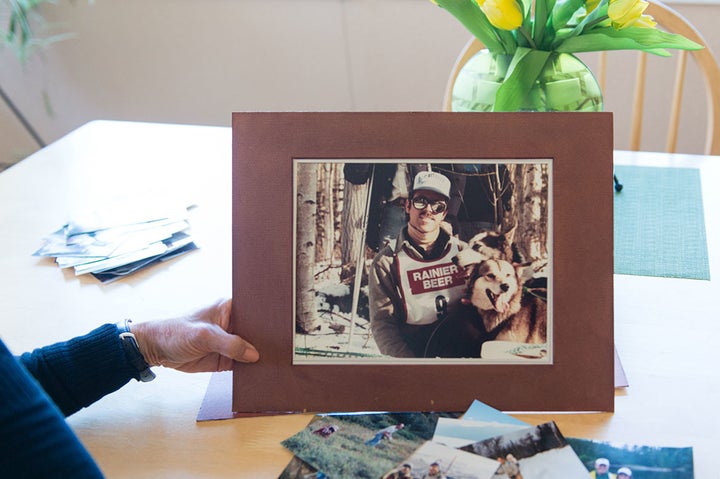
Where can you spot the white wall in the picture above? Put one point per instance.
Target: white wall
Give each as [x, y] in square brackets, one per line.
[192, 61]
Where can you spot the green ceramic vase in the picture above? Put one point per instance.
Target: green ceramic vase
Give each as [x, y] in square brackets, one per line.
[565, 84]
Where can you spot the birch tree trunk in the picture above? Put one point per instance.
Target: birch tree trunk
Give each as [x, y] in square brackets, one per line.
[352, 220]
[529, 210]
[338, 204]
[306, 319]
[325, 214]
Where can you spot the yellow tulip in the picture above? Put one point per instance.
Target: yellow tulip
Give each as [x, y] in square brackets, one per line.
[625, 13]
[645, 21]
[590, 5]
[503, 14]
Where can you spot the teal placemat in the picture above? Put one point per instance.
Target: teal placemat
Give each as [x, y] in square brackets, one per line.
[659, 223]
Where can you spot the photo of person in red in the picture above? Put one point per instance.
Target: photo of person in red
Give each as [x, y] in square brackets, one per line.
[415, 283]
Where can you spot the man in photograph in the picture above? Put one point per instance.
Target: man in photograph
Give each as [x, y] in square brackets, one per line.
[391, 184]
[602, 469]
[403, 472]
[385, 433]
[434, 472]
[510, 467]
[414, 284]
[624, 473]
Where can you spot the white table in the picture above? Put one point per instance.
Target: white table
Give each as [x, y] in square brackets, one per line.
[666, 329]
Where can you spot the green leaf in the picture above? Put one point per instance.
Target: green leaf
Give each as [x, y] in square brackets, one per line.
[632, 38]
[594, 19]
[524, 70]
[563, 11]
[525, 31]
[595, 42]
[542, 10]
[22, 16]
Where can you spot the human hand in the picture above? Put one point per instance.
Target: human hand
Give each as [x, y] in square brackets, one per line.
[197, 342]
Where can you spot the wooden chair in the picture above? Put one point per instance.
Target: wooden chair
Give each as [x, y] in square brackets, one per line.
[670, 20]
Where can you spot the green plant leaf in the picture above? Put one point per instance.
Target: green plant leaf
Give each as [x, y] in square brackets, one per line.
[524, 69]
[563, 11]
[632, 38]
[542, 10]
[22, 17]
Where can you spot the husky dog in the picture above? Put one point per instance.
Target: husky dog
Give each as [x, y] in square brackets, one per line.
[495, 289]
[495, 307]
[487, 245]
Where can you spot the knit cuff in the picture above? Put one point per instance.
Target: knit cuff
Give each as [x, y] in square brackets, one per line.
[78, 372]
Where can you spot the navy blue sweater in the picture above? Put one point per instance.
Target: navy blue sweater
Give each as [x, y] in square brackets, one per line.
[38, 389]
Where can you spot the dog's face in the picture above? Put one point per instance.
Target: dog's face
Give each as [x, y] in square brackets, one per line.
[483, 246]
[493, 285]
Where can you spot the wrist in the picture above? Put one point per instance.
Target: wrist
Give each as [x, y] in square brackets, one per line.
[145, 333]
[133, 351]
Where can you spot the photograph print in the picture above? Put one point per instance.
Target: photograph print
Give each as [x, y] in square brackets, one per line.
[409, 261]
[364, 445]
[433, 460]
[531, 453]
[633, 461]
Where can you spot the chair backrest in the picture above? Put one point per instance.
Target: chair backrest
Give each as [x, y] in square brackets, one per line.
[670, 20]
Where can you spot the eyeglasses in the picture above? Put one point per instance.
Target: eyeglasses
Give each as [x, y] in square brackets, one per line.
[420, 203]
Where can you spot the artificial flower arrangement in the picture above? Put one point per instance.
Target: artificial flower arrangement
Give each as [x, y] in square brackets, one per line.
[531, 30]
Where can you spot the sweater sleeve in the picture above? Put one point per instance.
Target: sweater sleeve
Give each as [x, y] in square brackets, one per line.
[384, 320]
[78, 372]
[36, 441]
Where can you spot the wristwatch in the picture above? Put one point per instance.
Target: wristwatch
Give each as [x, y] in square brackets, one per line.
[132, 351]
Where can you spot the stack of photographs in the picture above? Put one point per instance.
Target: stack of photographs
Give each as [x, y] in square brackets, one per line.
[120, 239]
[482, 444]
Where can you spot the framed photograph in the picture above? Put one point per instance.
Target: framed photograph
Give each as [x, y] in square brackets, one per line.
[447, 257]
[482, 298]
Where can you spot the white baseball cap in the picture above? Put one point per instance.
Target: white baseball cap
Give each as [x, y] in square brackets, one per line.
[602, 462]
[432, 181]
[625, 470]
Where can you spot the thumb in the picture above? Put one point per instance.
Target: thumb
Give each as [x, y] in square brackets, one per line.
[234, 347]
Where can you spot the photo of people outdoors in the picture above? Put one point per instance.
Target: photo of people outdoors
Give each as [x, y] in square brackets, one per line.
[412, 261]
[605, 460]
[365, 445]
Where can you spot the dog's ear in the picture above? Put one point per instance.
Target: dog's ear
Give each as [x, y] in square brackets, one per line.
[483, 267]
[476, 270]
[524, 272]
[468, 269]
[510, 235]
[504, 244]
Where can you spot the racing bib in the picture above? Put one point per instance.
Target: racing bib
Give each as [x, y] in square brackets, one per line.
[429, 289]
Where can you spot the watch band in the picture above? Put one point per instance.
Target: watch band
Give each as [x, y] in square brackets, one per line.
[132, 351]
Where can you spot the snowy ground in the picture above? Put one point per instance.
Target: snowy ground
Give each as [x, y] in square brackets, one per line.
[339, 344]
[336, 337]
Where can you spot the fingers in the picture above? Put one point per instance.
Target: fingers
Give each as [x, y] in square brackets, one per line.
[224, 309]
[196, 342]
[234, 347]
[230, 345]
[216, 313]
[243, 351]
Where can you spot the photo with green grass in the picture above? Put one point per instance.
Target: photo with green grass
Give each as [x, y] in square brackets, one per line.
[361, 445]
